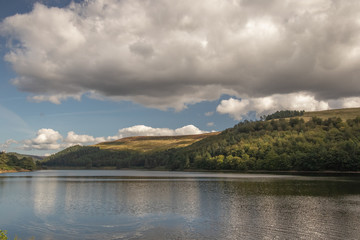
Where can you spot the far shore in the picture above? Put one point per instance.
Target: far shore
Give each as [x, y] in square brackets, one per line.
[289, 172]
[13, 171]
[7, 171]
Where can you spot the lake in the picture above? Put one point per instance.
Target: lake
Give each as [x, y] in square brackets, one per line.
[107, 204]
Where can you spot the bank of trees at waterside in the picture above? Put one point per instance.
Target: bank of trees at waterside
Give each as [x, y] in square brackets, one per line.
[281, 144]
[11, 162]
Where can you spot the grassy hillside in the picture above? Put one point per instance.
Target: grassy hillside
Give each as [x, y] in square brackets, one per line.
[153, 143]
[344, 114]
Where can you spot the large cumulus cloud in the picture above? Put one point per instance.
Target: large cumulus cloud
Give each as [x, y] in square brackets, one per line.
[165, 54]
[46, 139]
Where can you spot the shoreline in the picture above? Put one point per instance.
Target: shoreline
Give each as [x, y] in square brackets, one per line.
[13, 171]
[290, 172]
[7, 171]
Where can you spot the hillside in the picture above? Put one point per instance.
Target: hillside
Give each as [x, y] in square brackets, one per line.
[287, 143]
[9, 162]
[153, 143]
[344, 114]
[18, 155]
[125, 152]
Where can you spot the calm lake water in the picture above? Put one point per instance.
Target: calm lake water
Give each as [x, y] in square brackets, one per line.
[176, 205]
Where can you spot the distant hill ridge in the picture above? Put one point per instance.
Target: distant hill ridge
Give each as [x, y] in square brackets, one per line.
[344, 113]
[145, 138]
[153, 143]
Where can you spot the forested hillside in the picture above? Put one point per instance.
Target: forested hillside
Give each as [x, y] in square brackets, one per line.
[280, 145]
[9, 162]
[277, 144]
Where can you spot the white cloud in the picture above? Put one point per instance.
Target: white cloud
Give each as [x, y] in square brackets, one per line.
[7, 144]
[353, 102]
[188, 130]
[56, 99]
[208, 114]
[74, 138]
[239, 109]
[46, 139]
[142, 130]
[162, 54]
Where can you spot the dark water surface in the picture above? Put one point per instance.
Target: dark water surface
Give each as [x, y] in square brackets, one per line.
[175, 205]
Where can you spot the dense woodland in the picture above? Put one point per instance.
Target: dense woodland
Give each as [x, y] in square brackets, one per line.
[12, 162]
[277, 144]
[283, 114]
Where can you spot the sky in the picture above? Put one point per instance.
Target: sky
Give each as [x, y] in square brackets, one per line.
[86, 71]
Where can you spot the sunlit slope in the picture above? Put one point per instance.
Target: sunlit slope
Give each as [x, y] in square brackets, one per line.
[153, 143]
[344, 114]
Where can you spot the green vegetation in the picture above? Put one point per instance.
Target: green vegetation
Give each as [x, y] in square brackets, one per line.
[3, 236]
[283, 114]
[124, 153]
[89, 157]
[20, 156]
[9, 162]
[282, 144]
[153, 143]
[344, 114]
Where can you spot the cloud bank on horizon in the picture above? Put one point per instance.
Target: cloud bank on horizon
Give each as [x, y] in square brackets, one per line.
[50, 139]
[165, 54]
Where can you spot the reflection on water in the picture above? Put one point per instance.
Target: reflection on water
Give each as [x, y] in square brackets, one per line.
[168, 205]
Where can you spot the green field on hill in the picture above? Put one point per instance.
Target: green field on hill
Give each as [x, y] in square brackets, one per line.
[153, 143]
[344, 114]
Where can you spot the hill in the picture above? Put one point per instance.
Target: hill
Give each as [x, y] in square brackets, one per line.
[18, 155]
[125, 152]
[344, 114]
[9, 162]
[153, 143]
[288, 143]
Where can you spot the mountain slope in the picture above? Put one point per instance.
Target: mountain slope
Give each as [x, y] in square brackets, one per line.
[344, 114]
[9, 162]
[126, 152]
[153, 143]
[18, 155]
